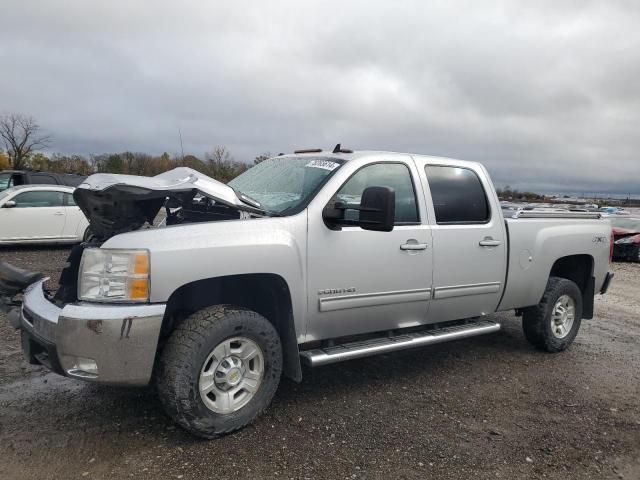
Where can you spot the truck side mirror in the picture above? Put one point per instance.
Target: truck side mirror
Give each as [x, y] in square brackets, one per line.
[9, 204]
[377, 209]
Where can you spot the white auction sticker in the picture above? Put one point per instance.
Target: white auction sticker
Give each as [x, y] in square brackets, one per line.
[324, 164]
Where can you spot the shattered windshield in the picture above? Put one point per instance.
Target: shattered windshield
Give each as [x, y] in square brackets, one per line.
[282, 184]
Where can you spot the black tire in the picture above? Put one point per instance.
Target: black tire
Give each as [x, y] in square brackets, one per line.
[536, 321]
[183, 357]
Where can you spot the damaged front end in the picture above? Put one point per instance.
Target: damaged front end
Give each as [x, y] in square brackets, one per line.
[97, 341]
[116, 204]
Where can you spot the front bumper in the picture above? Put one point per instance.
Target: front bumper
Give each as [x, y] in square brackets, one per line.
[113, 344]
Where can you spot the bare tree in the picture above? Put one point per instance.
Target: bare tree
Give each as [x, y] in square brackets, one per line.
[261, 158]
[21, 137]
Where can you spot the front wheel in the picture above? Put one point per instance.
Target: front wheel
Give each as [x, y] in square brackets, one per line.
[553, 324]
[219, 370]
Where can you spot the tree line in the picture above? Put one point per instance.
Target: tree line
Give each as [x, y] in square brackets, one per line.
[508, 193]
[23, 140]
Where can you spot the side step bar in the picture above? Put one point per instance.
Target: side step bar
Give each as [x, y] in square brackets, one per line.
[374, 346]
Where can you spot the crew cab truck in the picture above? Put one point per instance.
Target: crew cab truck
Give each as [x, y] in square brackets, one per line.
[310, 258]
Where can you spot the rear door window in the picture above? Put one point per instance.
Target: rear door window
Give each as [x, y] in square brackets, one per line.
[40, 198]
[458, 195]
[42, 179]
[68, 200]
[5, 179]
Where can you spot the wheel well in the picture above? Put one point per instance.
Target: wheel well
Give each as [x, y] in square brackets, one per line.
[578, 269]
[265, 293]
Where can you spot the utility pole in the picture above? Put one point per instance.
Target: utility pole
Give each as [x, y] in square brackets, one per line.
[181, 147]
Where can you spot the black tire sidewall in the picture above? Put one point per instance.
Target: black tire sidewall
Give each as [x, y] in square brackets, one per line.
[566, 287]
[537, 320]
[192, 413]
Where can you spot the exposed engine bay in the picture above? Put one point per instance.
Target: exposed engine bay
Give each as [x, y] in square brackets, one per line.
[116, 204]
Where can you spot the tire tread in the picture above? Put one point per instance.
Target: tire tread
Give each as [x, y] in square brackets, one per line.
[175, 364]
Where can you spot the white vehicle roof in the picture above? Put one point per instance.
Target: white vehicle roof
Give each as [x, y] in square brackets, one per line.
[58, 188]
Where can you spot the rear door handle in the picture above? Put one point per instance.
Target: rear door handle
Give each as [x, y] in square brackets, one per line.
[59, 213]
[489, 242]
[413, 246]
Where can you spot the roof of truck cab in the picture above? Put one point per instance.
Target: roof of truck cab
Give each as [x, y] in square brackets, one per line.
[365, 153]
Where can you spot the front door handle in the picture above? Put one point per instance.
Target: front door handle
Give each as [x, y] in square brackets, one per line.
[413, 246]
[489, 242]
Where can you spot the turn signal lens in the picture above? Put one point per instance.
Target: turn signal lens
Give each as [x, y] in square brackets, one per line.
[141, 264]
[139, 289]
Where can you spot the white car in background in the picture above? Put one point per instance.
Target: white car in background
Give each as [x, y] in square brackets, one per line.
[40, 214]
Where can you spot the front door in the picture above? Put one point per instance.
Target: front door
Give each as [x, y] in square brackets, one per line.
[363, 281]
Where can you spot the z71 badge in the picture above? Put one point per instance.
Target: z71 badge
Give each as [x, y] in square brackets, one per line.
[330, 291]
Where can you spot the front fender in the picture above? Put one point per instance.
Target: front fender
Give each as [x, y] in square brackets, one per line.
[183, 254]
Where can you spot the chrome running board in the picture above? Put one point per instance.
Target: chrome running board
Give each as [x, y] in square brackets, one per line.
[374, 346]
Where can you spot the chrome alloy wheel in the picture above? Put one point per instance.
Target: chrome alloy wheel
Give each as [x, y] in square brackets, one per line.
[231, 375]
[562, 316]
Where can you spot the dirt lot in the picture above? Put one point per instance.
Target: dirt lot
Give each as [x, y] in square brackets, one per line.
[490, 407]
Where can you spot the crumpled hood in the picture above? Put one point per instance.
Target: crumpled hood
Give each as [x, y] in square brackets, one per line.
[115, 203]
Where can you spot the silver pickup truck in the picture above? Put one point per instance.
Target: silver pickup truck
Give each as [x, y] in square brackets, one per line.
[310, 258]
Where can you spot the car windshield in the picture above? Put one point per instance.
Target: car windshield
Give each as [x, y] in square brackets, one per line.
[5, 178]
[282, 184]
[626, 223]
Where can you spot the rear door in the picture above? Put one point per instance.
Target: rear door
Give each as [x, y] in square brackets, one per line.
[469, 241]
[37, 215]
[76, 222]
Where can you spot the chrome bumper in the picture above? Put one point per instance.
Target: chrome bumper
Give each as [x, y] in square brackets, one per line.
[114, 344]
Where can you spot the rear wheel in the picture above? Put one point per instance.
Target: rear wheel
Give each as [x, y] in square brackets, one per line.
[553, 324]
[219, 370]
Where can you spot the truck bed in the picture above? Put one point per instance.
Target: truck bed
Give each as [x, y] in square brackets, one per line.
[537, 239]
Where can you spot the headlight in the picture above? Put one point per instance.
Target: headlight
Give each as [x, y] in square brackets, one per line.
[114, 275]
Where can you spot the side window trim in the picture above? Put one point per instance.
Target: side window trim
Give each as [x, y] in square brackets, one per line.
[484, 191]
[413, 185]
[68, 200]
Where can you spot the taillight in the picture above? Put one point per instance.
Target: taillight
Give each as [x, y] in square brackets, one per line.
[611, 240]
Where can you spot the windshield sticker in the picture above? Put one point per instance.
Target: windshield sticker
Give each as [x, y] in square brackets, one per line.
[324, 164]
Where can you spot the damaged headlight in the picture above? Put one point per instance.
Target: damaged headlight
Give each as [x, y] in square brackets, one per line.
[114, 275]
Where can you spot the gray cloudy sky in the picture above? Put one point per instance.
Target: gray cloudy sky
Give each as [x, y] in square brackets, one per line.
[545, 93]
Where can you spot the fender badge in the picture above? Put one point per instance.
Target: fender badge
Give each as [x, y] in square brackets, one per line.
[331, 291]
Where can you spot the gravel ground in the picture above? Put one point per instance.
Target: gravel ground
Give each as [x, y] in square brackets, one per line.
[489, 407]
